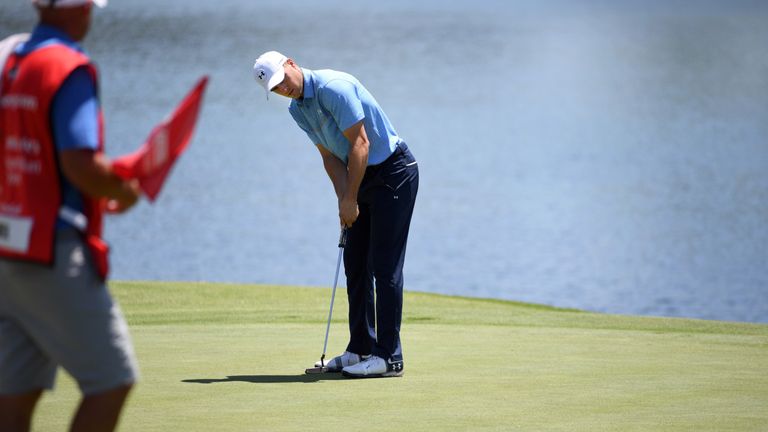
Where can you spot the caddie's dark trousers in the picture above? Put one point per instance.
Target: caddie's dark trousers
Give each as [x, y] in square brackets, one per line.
[375, 251]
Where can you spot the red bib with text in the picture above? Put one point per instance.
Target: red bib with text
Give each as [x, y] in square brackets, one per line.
[30, 190]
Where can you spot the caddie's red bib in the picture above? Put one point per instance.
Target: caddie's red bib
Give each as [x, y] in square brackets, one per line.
[30, 193]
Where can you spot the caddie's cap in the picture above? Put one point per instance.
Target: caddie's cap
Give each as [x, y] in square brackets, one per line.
[68, 3]
[268, 70]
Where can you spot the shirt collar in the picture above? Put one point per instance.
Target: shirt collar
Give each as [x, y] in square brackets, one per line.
[309, 84]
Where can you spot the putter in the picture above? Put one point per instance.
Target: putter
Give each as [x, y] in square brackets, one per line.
[323, 368]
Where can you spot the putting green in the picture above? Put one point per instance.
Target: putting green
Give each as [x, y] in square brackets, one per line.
[217, 357]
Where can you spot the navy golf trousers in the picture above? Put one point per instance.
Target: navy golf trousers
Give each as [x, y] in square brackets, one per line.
[375, 251]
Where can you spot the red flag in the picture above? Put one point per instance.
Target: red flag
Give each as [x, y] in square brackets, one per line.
[152, 162]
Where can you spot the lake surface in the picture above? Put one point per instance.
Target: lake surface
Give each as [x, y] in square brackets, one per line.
[601, 155]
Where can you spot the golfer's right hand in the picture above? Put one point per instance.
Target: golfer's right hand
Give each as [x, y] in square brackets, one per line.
[348, 212]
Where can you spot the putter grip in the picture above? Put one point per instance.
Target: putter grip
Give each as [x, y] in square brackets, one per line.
[343, 237]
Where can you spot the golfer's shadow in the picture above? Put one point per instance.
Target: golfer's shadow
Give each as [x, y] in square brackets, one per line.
[269, 379]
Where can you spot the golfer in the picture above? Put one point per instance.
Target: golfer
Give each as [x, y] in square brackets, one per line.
[375, 178]
[55, 182]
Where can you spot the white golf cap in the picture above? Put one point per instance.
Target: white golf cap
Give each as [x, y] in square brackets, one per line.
[268, 70]
[68, 3]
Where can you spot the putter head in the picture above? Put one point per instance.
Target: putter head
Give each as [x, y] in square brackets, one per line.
[316, 370]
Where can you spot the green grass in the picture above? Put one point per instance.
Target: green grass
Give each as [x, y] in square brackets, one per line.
[217, 357]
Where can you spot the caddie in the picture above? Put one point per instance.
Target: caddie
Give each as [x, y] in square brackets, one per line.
[55, 185]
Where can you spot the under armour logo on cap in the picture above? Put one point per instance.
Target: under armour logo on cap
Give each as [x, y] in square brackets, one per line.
[261, 74]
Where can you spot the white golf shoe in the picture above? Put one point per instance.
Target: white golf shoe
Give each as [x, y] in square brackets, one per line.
[338, 363]
[374, 367]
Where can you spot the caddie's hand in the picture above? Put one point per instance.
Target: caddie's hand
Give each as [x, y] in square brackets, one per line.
[348, 211]
[129, 196]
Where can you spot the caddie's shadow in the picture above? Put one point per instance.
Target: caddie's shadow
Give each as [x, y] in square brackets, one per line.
[269, 379]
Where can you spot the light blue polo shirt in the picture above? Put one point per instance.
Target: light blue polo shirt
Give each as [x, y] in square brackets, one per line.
[334, 101]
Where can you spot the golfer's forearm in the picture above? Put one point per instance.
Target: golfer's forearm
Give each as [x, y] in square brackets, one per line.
[337, 172]
[335, 169]
[357, 160]
[356, 164]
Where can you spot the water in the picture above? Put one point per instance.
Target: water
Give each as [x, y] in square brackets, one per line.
[608, 156]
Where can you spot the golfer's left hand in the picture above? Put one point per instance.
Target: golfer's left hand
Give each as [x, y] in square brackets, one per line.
[348, 211]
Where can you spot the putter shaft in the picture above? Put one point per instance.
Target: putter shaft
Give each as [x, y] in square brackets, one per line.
[342, 243]
[323, 368]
